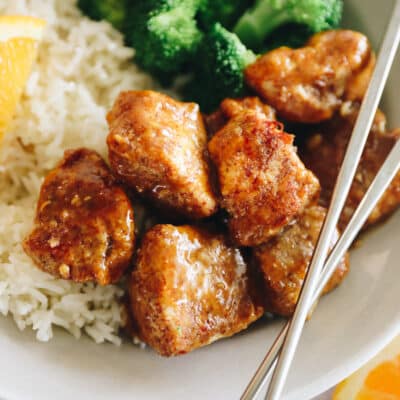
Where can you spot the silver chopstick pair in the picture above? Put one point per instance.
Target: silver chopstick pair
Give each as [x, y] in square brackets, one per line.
[281, 353]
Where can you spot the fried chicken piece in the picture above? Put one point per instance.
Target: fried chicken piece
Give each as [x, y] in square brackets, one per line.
[284, 261]
[309, 84]
[263, 183]
[189, 289]
[84, 227]
[324, 151]
[230, 108]
[157, 145]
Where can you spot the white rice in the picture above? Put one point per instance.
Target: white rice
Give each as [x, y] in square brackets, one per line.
[82, 66]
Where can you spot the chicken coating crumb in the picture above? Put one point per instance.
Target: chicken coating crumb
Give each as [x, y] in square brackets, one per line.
[157, 145]
[229, 108]
[284, 262]
[189, 289]
[263, 183]
[84, 226]
[324, 151]
[309, 84]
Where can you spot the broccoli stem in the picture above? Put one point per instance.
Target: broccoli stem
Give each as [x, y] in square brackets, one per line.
[258, 22]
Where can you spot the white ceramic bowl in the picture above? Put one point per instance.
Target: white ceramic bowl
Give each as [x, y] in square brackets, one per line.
[349, 326]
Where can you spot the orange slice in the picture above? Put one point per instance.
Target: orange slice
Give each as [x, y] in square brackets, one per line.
[379, 379]
[19, 38]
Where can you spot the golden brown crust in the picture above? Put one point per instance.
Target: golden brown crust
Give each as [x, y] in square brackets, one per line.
[230, 108]
[84, 227]
[189, 289]
[324, 151]
[309, 84]
[263, 183]
[284, 261]
[157, 146]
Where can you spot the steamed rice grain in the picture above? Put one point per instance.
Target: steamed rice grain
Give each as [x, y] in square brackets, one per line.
[82, 66]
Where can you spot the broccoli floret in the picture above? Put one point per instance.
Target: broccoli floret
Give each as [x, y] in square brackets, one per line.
[226, 12]
[221, 59]
[290, 35]
[267, 15]
[164, 34]
[113, 11]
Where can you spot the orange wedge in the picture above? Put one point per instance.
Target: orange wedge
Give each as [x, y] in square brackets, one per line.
[19, 39]
[379, 379]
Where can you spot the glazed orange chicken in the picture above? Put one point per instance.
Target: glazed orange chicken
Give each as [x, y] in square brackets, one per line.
[309, 84]
[157, 146]
[190, 285]
[230, 108]
[263, 183]
[324, 151]
[84, 227]
[284, 261]
[189, 288]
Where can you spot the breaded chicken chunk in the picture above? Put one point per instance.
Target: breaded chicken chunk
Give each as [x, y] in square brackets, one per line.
[189, 288]
[309, 84]
[230, 108]
[324, 151]
[263, 183]
[157, 146]
[84, 227]
[284, 261]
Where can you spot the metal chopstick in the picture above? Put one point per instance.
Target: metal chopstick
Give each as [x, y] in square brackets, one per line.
[345, 178]
[381, 182]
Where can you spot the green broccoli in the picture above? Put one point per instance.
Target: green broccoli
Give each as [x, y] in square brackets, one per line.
[171, 37]
[290, 35]
[258, 22]
[226, 12]
[112, 11]
[164, 34]
[221, 59]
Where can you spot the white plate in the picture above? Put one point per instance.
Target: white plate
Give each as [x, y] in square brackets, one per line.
[350, 325]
